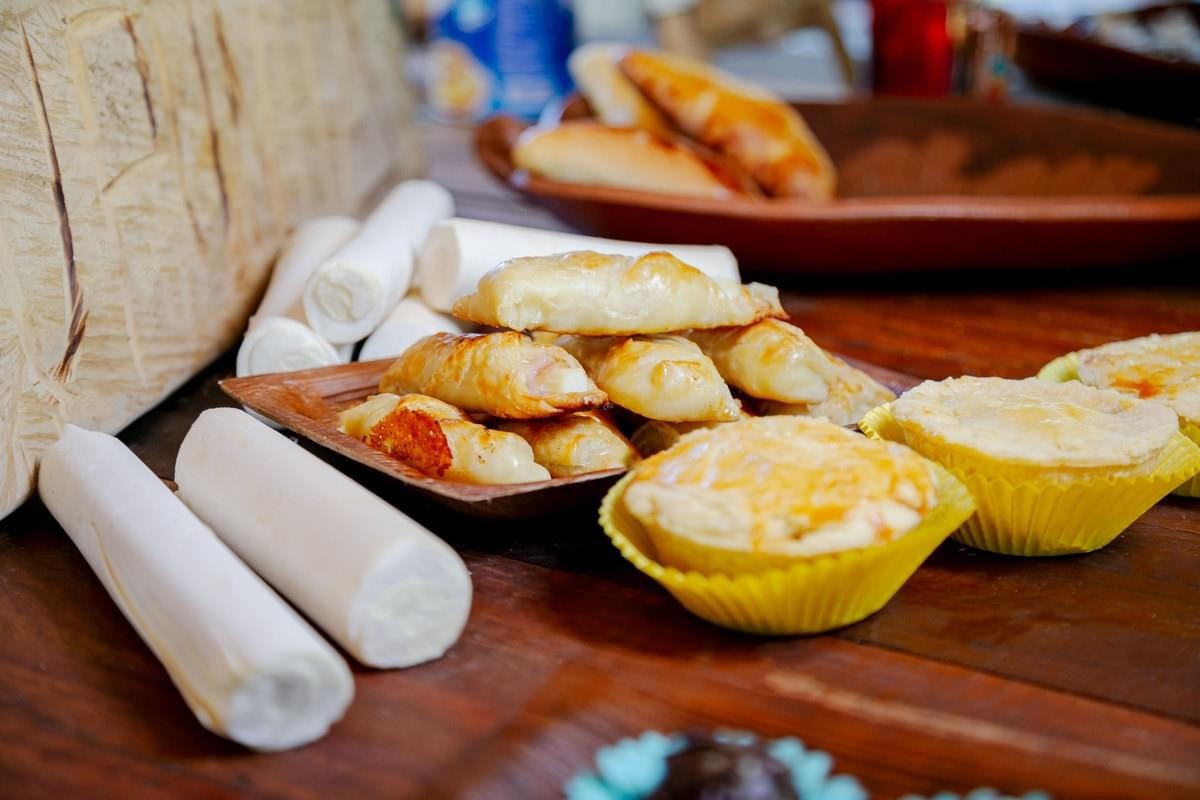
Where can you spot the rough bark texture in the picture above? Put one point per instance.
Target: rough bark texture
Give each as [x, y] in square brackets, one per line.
[153, 154]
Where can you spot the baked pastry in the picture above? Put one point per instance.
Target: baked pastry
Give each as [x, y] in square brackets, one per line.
[574, 444]
[658, 377]
[654, 436]
[772, 360]
[599, 294]
[753, 127]
[851, 394]
[503, 374]
[438, 439]
[1162, 368]
[1065, 429]
[612, 98]
[593, 154]
[760, 493]
[1054, 467]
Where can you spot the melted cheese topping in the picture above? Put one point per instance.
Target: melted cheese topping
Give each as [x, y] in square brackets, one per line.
[1164, 368]
[600, 294]
[1037, 423]
[785, 485]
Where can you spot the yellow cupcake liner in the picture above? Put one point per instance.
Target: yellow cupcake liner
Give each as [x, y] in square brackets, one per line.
[810, 595]
[1066, 368]
[1032, 516]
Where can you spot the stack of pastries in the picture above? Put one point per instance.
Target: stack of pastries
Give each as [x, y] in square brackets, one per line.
[670, 124]
[586, 348]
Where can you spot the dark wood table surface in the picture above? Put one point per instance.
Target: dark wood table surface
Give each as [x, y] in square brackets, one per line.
[1077, 675]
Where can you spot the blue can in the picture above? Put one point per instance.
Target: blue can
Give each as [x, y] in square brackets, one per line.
[489, 56]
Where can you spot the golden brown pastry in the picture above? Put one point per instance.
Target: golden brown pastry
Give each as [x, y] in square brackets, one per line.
[1163, 368]
[1002, 426]
[574, 444]
[852, 393]
[766, 490]
[600, 294]
[438, 439]
[659, 377]
[593, 154]
[753, 127]
[503, 374]
[613, 99]
[772, 360]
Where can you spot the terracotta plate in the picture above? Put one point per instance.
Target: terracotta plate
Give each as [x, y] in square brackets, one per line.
[308, 403]
[925, 186]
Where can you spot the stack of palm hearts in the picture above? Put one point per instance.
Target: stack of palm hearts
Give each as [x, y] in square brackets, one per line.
[595, 361]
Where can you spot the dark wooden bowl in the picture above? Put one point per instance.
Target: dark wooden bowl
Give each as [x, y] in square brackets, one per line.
[307, 402]
[926, 186]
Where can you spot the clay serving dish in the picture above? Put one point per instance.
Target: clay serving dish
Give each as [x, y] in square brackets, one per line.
[925, 186]
[308, 402]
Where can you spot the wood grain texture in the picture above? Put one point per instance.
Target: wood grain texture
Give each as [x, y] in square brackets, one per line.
[153, 154]
[1075, 675]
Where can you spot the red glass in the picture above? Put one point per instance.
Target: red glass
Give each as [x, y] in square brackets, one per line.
[913, 54]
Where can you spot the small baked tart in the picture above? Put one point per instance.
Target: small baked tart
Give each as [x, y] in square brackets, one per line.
[1162, 368]
[1054, 468]
[782, 524]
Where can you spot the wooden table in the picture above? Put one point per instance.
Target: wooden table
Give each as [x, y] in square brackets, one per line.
[1077, 675]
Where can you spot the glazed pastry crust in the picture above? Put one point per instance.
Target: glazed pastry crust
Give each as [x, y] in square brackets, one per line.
[574, 444]
[757, 130]
[613, 99]
[850, 395]
[438, 439]
[1035, 423]
[659, 377]
[592, 154]
[503, 374]
[771, 360]
[598, 294]
[782, 485]
[1163, 368]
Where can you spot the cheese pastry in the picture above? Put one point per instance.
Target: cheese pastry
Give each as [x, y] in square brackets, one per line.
[772, 360]
[769, 490]
[599, 294]
[503, 374]
[574, 444]
[658, 377]
[438, 439]
[613, 99]
[1163, 368]
[757, 130]
[1063, 428]
[654, 436]
[851, 394]
[592, 154]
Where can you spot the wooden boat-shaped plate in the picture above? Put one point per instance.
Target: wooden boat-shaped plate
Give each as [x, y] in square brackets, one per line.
[308, 402]
[925, 186]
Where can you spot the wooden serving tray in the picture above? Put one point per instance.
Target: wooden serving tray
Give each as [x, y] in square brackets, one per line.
[925, 186]
[308, 402]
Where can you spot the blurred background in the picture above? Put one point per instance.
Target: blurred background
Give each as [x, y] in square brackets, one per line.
[477, 57]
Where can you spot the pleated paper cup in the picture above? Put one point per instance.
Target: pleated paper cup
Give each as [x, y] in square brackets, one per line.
[809, 595]
[1023, 511]
[1066, 368]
